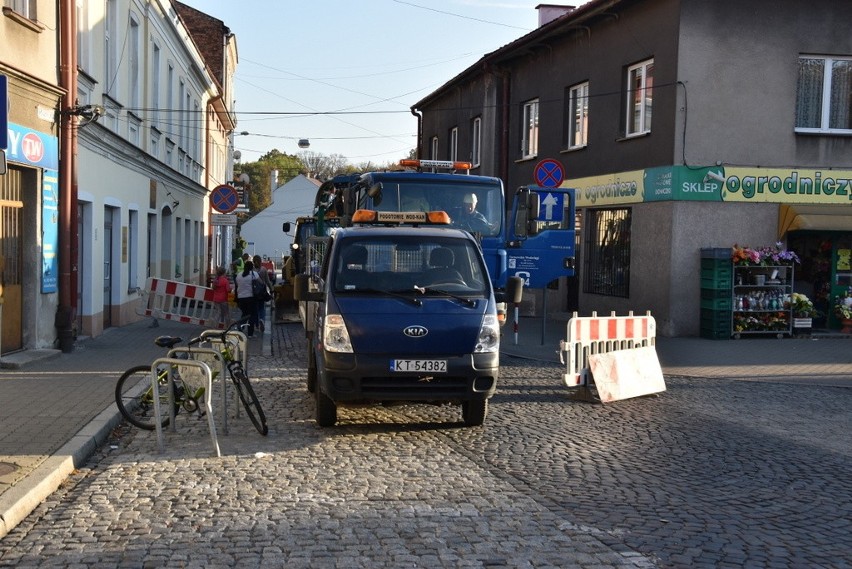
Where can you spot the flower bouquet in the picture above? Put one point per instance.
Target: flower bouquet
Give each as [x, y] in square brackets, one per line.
[802, 306]
[763, 256]
[843, 305]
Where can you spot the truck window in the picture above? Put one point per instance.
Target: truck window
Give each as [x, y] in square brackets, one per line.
[402, 263]
[443, 195]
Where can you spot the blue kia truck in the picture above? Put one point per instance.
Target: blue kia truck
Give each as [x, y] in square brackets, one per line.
[404, 311]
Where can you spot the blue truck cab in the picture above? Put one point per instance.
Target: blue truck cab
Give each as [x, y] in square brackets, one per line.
[404, 312]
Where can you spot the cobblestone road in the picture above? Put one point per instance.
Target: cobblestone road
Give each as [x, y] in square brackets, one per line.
[712, 473]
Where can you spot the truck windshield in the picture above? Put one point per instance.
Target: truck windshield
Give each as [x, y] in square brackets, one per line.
[410, 263]
[477, 208]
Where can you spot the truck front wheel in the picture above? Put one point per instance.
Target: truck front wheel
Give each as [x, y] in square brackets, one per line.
[474, 412]
[326, 412]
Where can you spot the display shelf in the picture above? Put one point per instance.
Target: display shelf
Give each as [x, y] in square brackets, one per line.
[760, 300]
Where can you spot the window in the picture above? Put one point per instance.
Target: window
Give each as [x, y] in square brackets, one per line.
[824, 95]
[608, 252]
[529, 130]
[577, 116]
[476, 142]
[111, 43]
[155, 85]
[26, 8]
[434, 155]
[84, 58]
[170, 99]
[454, 144]
[133, 66]
[640, 95]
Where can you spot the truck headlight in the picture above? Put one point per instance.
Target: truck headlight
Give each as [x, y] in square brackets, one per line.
[489, 335]
[335, 337]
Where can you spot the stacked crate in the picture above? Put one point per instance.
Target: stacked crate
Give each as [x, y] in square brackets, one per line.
[716, 293]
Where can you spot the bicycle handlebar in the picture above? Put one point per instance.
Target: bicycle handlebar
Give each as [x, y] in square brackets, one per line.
[220, 335]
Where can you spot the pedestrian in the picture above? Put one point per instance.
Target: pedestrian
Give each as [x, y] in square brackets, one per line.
[264, 277]
[221, 288]
[245, 296]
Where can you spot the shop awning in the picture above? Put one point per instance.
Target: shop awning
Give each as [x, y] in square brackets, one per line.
[814, 218]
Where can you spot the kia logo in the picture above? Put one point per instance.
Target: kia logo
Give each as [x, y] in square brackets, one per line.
[415, 331]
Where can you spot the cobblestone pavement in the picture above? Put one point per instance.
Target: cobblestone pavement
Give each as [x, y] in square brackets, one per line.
[711, 473]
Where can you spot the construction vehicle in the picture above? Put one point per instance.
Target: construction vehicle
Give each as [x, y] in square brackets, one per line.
[403, 312]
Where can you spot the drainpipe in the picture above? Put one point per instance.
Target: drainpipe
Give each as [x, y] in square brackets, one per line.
[419, 130]
[66, 311]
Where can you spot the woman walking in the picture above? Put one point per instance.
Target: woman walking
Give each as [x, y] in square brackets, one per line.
[245, 296]
[263, 273]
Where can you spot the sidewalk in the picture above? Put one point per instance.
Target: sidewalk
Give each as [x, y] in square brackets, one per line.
[57, 408]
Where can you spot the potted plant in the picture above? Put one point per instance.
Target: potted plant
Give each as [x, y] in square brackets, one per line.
[803, 313]
[843, 310]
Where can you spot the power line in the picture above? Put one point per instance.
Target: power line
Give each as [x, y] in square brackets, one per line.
[460, 16]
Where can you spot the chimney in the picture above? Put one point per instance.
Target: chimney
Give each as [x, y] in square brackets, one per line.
[273, 185]
[549, 12]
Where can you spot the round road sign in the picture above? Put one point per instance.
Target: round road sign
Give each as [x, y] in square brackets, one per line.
[224, 198]
[549, 173]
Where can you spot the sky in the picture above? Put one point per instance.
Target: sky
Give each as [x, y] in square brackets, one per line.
[344, 73]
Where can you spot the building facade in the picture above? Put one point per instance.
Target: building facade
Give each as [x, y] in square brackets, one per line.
[28, 205]
[683, 125]
[134, 118]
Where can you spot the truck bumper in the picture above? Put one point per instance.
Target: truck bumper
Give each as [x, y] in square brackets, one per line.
[351, 378]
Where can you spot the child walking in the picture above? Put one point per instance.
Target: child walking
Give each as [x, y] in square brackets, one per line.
[221, 288]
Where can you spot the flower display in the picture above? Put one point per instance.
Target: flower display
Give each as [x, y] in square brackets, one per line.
[843, 305]
[762, 256]
[802, 306]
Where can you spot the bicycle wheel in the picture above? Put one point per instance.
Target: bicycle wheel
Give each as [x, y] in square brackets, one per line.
[248, 397]
[138, 406]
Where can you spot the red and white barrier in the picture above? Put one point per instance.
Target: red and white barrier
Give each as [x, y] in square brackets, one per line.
[173, 300]
[589, 336]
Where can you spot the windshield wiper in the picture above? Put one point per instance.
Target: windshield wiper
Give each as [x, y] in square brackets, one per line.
[395, 294]
[464, 299]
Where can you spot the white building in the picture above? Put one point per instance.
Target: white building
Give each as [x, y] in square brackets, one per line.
[146, 166]
[264, 233]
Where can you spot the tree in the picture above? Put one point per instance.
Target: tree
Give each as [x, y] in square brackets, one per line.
[259, 191]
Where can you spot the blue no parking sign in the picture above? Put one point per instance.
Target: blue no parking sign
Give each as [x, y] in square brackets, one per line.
[224, 198]
[549, 173]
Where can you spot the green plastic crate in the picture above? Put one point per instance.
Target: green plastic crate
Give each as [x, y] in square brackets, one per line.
[723, 302]
[711, 334]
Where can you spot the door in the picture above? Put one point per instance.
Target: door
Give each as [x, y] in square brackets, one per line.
[11, 259]
[107, 314]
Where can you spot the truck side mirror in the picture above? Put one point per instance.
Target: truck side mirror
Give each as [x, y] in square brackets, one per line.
[286, 227]
[514, 290]
[533, 205]
[528, 204]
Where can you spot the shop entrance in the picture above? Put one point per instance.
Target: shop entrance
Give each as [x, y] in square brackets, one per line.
[825, 272]
[11, 256]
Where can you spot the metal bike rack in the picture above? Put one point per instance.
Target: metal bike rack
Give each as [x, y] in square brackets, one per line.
[240, 343]
[173, 364]
[239, 346]
[209, 356]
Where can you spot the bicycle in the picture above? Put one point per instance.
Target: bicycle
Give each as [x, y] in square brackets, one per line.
[138, 406]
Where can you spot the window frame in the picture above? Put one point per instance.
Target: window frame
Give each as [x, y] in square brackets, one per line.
[574, 94]
[26, 8]
[530, 120]
[639, 124]
[826, 95]
[453, 149]
[476, 142]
